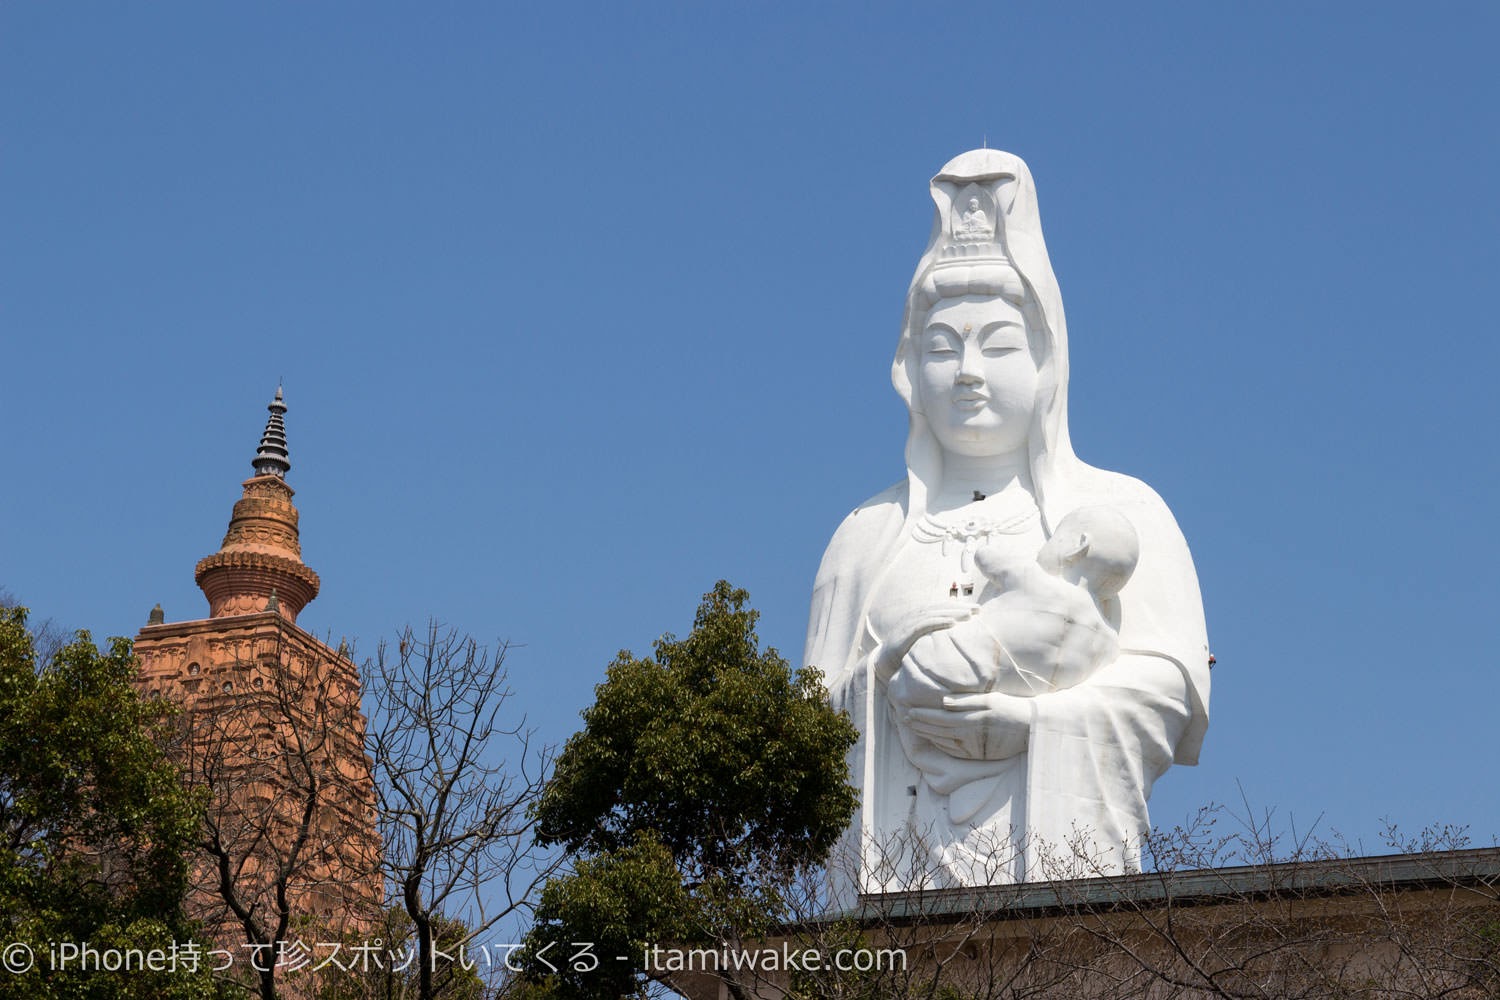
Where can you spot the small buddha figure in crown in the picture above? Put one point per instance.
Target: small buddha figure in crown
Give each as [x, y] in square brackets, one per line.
[974, 224]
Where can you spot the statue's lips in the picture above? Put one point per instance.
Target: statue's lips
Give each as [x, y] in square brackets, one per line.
[970, 401]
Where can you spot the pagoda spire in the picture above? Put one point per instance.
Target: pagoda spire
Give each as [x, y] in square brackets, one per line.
[259, 565]
[271, 457]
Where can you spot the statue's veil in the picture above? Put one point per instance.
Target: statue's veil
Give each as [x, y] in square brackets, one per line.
[987, 239]
[981, 252]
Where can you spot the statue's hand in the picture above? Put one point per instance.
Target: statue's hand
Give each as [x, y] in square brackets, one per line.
[911, 627]
[991, 726]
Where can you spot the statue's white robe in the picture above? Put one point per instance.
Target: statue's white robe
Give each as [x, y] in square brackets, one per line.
[1079, 796]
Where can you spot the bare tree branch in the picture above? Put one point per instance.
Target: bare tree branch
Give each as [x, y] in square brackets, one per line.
[455, 780]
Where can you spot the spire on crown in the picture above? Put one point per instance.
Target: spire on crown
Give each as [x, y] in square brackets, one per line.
[259, 566]
[271, 458]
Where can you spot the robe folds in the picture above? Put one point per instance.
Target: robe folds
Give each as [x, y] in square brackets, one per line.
[1076, 799]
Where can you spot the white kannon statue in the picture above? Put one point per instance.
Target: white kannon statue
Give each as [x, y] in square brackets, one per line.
[1018, 636]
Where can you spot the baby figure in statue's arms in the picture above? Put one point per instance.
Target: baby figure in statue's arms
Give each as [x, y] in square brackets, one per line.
[1040, 626]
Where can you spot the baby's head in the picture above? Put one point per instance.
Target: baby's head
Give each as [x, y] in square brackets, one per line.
[1097, 546]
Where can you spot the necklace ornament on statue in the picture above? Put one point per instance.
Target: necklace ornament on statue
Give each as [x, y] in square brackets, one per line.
[970, 533]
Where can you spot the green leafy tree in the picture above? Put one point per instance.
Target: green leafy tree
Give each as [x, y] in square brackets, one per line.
[620, 903]
[706, 779]
[95, 825]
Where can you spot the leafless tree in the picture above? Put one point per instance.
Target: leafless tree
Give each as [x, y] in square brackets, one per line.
[1250, 912]
[47, 638]
[456, 772]
[1235, 914]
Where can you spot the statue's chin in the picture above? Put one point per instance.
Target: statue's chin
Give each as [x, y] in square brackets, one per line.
[997, 443]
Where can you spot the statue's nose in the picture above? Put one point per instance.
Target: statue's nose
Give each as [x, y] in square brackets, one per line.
[969, 370]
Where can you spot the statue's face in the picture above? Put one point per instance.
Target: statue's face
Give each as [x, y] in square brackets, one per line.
[977, 383]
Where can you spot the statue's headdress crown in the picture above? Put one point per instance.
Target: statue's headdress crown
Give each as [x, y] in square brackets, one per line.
[973, 193]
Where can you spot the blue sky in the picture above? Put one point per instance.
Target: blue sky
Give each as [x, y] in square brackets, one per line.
[581, 308]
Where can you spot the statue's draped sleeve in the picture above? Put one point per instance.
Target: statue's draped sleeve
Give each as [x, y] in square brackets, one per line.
[1096, 749]
[1161, 608]
[836, 626]
[836, 634]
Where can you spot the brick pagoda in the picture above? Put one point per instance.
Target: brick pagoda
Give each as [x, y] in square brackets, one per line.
[271, 727]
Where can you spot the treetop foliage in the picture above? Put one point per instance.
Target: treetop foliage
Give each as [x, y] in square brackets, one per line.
[95, 825]
[706, 779]
[727, 757]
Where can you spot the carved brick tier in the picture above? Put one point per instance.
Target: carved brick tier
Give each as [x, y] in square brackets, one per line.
[258, 687]
[263, 524]
[261, 554]
[239, 583]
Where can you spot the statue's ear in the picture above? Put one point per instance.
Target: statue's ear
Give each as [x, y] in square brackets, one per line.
[901, 378]
[1078, 550]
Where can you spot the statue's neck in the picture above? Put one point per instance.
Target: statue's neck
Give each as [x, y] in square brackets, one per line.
[964, 476]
